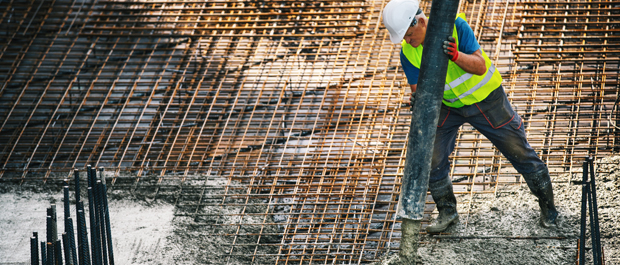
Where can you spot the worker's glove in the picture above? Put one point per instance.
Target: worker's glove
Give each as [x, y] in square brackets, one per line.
[411, 101]
[450, 48]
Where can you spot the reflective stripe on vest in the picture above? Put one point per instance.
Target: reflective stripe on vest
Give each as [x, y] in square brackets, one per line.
[461, 80]
[461, 88]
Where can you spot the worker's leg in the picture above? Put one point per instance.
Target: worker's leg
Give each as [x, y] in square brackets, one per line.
[440, 183]
[504, 128]
[445, 138]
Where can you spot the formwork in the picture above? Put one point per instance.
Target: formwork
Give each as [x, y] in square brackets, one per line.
[296, 108]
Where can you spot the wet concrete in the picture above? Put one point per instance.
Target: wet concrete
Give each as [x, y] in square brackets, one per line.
[149, 229]
[140, 229]
[409, 241]
[501, 228]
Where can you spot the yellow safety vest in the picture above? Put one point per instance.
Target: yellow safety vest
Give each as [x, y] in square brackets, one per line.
[462, 88]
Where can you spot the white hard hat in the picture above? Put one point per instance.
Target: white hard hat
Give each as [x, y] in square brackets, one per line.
[397, 17]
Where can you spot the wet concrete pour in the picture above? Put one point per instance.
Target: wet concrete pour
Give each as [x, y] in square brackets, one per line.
[149, 230]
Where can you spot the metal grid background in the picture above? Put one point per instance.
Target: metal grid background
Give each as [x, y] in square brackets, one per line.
[296, 110]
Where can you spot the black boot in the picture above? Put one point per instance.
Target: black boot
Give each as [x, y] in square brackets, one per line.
[446, 205]
[540, 185]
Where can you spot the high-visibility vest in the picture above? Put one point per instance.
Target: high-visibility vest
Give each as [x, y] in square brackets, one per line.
[462, 88]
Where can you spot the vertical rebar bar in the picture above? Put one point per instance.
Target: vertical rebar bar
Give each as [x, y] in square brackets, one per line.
[43, 253]
[77, 245]
[584, 198]
[57, 253]
[83, 248]
[69, 244]
[94, 229]
[65, 190]
[34, 249]
[98, 215]
[596, 242]
[89, 177]
[50, 232]
[592, 228]
[71, 235]
[54, 223]
[66, 246]
[100, 222]
[107, 224]
[48, 225]
[101, 176]
[76, 176]
[50, 253]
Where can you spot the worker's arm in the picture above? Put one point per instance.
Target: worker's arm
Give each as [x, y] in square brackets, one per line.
[471, 63]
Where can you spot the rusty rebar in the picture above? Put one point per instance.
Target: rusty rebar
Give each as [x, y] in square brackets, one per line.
[295, 106]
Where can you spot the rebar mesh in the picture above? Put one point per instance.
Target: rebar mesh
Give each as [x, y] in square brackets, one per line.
[282, 124]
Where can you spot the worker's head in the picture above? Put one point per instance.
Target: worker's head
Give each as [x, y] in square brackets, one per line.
[405, 20]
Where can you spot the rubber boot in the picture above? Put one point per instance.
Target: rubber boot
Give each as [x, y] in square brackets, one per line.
[443, 195]
[540, 185]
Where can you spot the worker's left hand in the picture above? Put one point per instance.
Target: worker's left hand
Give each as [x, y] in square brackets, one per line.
[450, 48]
[411, 101]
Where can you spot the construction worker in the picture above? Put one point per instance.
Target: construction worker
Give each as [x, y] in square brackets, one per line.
[473, 93]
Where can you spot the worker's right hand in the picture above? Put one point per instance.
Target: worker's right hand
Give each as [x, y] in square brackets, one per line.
[411, 101]
[450, 48]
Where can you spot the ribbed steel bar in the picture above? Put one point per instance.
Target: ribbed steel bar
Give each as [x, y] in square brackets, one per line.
[58, 255]
[595, 231]
[43, 253]
[83, 248]
[95, 250]
[34, 249]
[66, 249]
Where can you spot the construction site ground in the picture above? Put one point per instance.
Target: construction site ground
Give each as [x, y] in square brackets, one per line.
[500, 228]
[503, 228]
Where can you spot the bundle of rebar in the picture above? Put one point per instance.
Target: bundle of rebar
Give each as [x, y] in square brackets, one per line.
[589, 205]
[101, 251]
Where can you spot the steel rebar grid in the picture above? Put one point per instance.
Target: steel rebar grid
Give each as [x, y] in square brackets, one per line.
[297, 106]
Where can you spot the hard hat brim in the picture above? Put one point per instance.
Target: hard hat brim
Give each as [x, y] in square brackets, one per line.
[397, 38]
